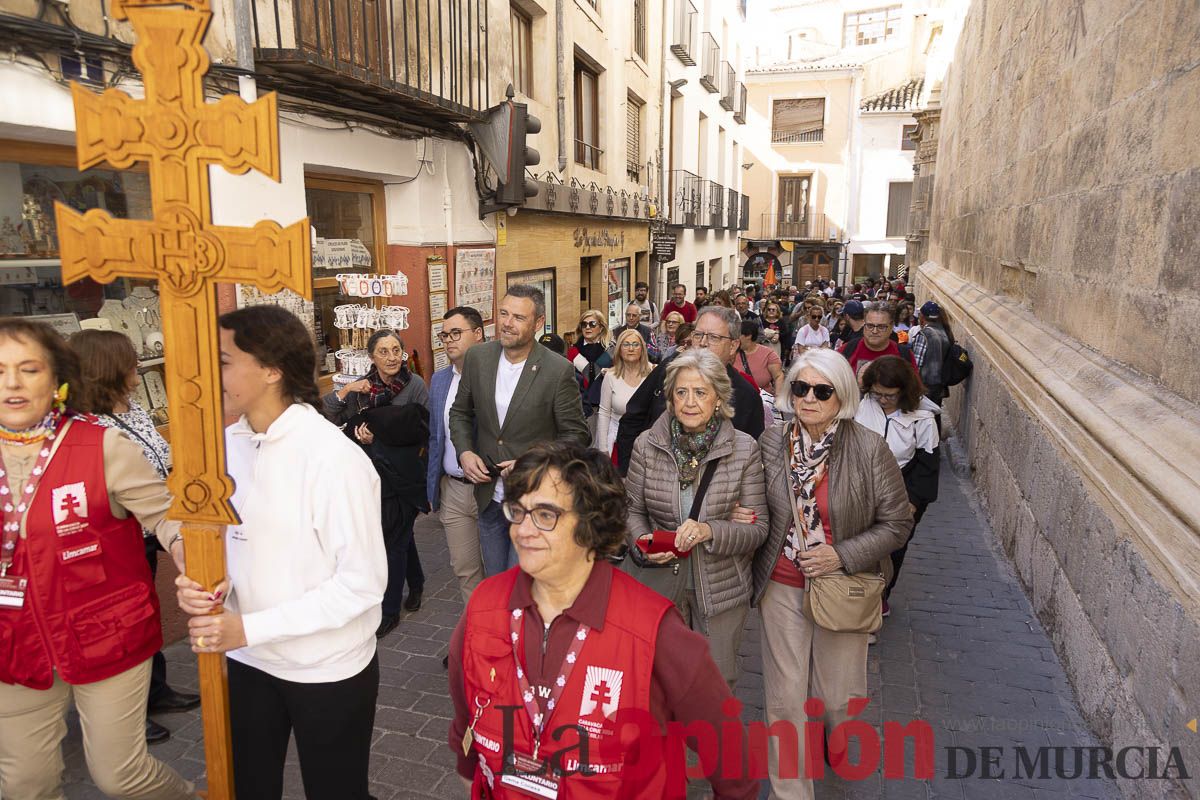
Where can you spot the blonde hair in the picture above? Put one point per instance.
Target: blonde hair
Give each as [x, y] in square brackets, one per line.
[591, 312]
[618, 367]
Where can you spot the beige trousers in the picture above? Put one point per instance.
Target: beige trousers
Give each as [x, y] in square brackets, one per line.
[112, 714]
[459, 515]
[724, 633]
[801, 660]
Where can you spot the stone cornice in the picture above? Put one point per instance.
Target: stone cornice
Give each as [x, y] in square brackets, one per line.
[1135, 443]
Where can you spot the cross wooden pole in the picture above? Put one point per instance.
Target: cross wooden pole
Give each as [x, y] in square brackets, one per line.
[179, 135]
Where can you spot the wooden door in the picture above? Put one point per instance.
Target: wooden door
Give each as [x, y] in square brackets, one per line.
[793, 207]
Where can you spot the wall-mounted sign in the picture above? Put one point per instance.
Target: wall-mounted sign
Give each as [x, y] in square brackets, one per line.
[664, 246]
[602, 238]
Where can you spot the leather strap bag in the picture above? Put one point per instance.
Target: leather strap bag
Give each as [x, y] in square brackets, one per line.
[670, 579]
[842, 602]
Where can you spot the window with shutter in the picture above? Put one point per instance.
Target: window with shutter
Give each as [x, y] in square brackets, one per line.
[899, 201]
[633, 139]
[798, 120]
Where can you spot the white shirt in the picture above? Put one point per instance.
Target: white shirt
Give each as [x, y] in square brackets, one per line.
[450, 463]
[807, 337]
[307, 564]
[905, 431]
[614, 398]
[507, 377]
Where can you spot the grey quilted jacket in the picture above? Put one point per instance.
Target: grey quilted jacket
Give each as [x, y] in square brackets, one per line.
[868, 505]
[721, 566]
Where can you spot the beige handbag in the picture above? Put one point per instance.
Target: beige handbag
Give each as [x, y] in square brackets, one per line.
[841, 602]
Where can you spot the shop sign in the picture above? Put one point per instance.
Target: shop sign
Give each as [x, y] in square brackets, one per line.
[664, 246]
[602, 238]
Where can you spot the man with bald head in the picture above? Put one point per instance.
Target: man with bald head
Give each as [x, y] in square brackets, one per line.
[633, 316]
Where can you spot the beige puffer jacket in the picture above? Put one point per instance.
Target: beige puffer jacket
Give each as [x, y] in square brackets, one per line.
[868, 505]
[721, 566]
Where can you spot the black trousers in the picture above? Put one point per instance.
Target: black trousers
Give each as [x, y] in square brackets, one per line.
[898, 555]
[404, 563]
[333, 723]
[158, 665]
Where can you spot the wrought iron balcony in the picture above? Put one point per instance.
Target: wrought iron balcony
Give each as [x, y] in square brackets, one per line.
[732, 207]
[685, 198]
[714, 194]
[711, 51]
[419, 61]
[728, 81]
[808, 226]
[683, 42]
[739, 103]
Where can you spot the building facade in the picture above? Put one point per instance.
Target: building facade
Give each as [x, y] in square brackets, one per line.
[835, 85]
[703, 96]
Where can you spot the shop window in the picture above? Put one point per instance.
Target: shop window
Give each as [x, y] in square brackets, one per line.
[31, 282]
[618, 291]
[348, 218]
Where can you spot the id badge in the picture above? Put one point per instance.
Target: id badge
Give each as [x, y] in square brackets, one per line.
[12, 591]
[526, 780]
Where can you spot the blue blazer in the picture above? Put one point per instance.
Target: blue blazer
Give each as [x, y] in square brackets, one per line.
[439, 390]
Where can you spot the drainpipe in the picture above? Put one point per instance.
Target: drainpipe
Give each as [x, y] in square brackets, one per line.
[562, 86]
[243, 24]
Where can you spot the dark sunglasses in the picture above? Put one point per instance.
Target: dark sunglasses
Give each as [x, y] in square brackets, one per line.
[590, 323]
[822, 391]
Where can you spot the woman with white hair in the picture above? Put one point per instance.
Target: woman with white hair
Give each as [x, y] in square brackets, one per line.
[838, 509]
[686, 475]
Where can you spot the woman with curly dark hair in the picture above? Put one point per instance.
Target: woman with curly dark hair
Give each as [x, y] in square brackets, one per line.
[563, 640]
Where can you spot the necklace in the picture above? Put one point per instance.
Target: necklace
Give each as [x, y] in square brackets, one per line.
[37, 433]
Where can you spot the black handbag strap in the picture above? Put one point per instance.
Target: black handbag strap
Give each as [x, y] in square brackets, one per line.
[702, 488]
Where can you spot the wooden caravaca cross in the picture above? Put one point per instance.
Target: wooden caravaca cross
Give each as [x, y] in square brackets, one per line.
[179, 136]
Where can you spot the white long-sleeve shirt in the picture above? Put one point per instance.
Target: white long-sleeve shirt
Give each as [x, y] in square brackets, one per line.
[307, 564]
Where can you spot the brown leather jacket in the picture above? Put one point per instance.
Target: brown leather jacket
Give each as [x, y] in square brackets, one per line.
[868, 506]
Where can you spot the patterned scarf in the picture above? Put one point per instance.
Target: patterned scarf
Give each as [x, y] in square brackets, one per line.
[807, 463]
[383, 392]
[691, 449]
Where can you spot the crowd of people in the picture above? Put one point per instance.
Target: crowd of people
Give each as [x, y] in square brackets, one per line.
[614, 503]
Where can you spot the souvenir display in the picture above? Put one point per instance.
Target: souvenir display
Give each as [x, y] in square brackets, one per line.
[359, 320]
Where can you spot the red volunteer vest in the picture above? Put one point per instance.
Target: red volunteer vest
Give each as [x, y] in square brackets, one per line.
[612, 674]
[90, 609]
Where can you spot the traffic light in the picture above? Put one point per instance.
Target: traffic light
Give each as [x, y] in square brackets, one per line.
[502, 136]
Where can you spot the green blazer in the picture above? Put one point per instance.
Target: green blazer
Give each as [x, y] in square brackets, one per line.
[544, 407]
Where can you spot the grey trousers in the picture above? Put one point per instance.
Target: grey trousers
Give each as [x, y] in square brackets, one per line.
[724, 633]
[459, 515]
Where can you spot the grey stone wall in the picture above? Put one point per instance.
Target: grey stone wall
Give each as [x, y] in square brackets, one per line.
[1068, 180]
[1069, 172]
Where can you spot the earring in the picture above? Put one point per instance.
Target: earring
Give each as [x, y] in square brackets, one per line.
[60, 397]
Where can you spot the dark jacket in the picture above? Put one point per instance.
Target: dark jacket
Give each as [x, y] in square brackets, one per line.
[648, 404]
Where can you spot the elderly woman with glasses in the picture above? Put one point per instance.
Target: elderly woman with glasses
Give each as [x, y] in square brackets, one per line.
[837, 502]
[687, 474]
[551, 658]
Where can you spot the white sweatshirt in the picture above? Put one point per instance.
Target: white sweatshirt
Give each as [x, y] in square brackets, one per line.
[307, 564]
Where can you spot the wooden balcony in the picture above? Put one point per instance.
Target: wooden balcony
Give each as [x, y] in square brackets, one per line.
[423, 62]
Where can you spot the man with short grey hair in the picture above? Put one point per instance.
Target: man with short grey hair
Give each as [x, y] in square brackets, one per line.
[633, 316]
[717, 330]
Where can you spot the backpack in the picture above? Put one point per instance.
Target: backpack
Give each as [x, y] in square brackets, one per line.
[957, 365]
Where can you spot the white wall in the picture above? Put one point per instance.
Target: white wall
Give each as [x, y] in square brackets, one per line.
[881, 162]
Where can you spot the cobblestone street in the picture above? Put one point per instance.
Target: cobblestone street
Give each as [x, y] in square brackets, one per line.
[961, 650]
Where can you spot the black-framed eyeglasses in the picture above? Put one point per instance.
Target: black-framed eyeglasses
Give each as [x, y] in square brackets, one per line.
[872, 326]
[822, 391]
[452, 335]
[545, 518]
[702, 338]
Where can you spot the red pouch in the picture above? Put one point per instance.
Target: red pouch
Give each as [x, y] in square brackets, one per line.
[660, 542]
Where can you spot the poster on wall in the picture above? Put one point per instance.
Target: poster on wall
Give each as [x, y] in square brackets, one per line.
[437, 306]
[475, 279]
[618, 291]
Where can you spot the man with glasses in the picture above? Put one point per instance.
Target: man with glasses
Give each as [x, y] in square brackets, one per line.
[451, 495]
[513, 394]
[717, 330]
[876, 340]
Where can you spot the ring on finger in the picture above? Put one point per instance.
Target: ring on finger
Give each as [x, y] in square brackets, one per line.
[200, 642]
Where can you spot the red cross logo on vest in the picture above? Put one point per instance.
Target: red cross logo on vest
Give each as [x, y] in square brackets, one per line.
[70, 508]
